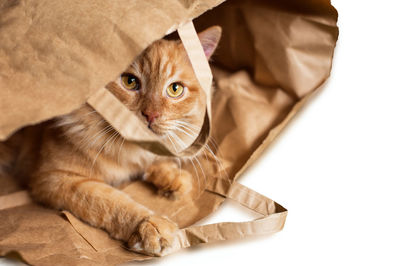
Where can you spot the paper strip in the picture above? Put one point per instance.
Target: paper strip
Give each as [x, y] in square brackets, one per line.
[15, 199]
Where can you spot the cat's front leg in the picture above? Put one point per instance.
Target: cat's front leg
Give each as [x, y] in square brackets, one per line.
[106, 207]
[170, 179]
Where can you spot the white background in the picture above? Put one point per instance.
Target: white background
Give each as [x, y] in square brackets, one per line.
[336, 167]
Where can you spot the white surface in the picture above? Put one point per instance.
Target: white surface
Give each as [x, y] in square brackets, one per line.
[337, 166]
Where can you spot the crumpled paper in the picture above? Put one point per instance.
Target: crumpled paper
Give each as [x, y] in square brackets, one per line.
[53, 55]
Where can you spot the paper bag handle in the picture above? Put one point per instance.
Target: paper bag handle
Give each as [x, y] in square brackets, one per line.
[272, 220]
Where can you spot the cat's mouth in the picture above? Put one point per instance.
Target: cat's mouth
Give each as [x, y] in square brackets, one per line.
[157, 129]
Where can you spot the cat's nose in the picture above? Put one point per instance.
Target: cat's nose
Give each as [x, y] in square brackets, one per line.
[150, 116]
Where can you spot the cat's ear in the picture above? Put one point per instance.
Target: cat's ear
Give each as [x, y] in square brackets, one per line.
[209, 39]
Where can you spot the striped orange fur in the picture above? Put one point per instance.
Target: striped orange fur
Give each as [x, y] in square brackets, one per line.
[77, 160]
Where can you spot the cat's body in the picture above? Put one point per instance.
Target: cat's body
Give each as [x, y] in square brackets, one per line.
[77, 159]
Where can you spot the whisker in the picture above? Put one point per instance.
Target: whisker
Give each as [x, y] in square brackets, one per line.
[188, 124]
[88, 113]
[173, 144]
[100, 136]
[201, 168]
[217, 160]
[203, 151]
[183, 131]
[215, 145]
[113, 141]
[192, 130]
[185, 125]
[182, 144]
[188, 129]
[197, 175]
[194, 167]
[86, 141]
[115, 134]
[192, 136]
[179, 160]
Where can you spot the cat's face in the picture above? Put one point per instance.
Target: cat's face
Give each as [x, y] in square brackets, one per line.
[161, 88]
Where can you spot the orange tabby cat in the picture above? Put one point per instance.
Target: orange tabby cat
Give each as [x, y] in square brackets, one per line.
[80, 157]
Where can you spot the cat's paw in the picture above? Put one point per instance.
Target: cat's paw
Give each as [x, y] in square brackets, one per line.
[155, 236]
[169, 179]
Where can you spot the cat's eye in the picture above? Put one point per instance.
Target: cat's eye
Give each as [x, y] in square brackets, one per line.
[130, 81]
[175, 90]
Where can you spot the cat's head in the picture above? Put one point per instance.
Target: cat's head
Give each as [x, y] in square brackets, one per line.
[161, 88]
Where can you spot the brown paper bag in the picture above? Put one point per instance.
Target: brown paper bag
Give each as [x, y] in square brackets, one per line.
[54, 56]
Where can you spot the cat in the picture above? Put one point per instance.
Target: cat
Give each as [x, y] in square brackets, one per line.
[80, 158]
